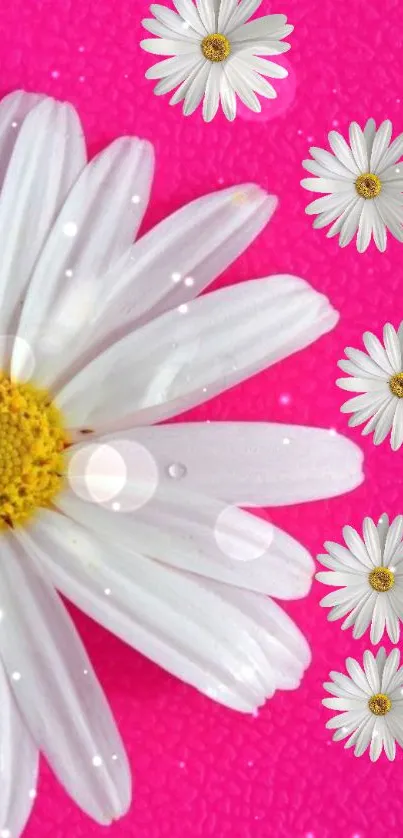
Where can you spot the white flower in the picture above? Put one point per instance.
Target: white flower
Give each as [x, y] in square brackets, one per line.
[136, 525]
[370, 702]
[215, 54]
[370, 575]
[378, 376]
[364, 185]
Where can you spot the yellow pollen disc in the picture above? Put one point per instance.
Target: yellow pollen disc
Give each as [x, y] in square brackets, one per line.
[215, 47]
[396, 385]
[32, 441]
[381, 579]
[380, 704]
[368, 185]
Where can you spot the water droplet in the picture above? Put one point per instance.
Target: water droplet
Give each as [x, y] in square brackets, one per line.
[114, 757]
[176, 277]
[189, 281]
[16, 676]
[286, 440]
[116, 506]
[32, 794]
[177, 471]
[69, 272]
[135, 199]
[97, 761]
[183, 309]
[107, 591]
[14, 124]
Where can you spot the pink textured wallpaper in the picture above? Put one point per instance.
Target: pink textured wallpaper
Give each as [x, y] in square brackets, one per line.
[201, 770]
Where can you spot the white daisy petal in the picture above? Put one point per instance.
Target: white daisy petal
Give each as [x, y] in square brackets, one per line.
[378, 621]
[371, 539]
[390, 216]
[369, 134]
[365, 227]
[380, 145]
[359, 147]
[253, 79]
[48, 155]
[375, 749]
[18, 764]
[270, 26]
[227, 97]
[84, 243]
[262, 65]
[330, 162]
[187, 10]
[187, 530]
[14, 109]
[393, 154]
[381, 423]
[377, 352]
[343, 152]
[57, 691]
[327, 185]
[179, 257]
[397, 427]
[172, 66]
[225, 12]
[212, 93]
[174, 21]
[389, 670]
[392, 347]
[190, 354]
[253, 464]
[243, 650]
[167, 46]
[243, 10]
[364, 614]
[246, 95]
[168, 32]
[378, 230]
[207, 14]
[393, 539]
[194, 89]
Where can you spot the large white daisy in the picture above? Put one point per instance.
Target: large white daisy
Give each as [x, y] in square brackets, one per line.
[364, 182]
[100, 339]
[370, 704]
[215, 54]
[378, 376]
[369, 572]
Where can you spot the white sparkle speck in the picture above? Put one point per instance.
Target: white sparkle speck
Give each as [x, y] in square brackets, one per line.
[16, 676]
[189, 281]
[70, 229]
[183, 309]
[135, 199]
[176, 277]
[97, 761]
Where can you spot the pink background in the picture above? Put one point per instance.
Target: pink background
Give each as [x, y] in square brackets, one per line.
[202, 770]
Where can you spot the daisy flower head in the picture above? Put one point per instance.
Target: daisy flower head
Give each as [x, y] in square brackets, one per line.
[377, 375]
[364, 185]
[101, 340]
[215, 54]
[369, 573]
[370, 704]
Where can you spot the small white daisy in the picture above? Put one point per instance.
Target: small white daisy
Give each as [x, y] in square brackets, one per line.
[215, 54]
[364, 185]
[378, 376]
[370, 702]
[369, 572]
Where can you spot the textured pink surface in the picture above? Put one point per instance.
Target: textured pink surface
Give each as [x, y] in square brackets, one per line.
[202, 770]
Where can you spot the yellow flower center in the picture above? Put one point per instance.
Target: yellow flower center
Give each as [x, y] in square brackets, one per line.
[32, 440]
[368, 185]
[380, 704]
[396, 385]
[381, 579]
[215, 47]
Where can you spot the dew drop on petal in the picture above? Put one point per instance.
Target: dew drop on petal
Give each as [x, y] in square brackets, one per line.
[177, 471]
